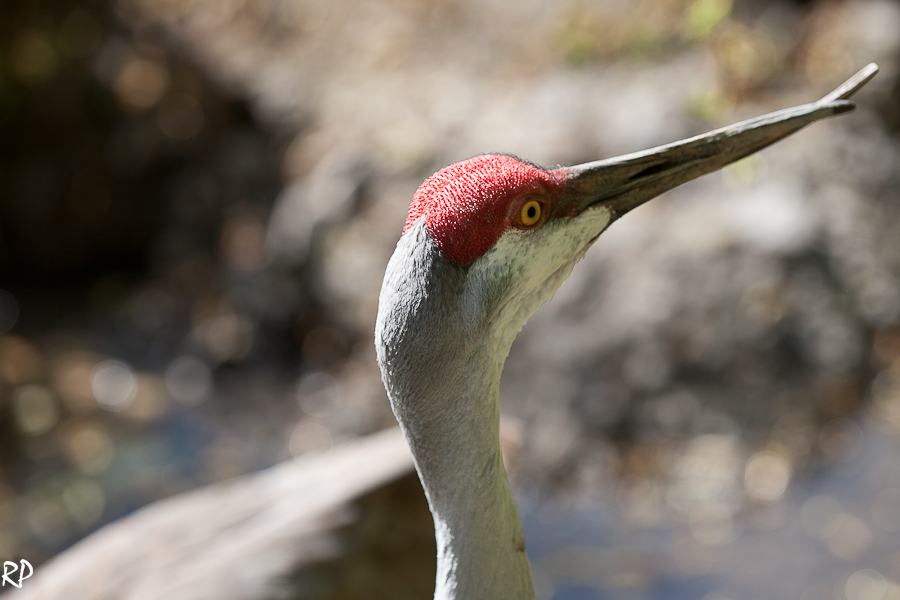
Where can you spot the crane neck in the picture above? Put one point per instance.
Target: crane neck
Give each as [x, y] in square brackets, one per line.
[441, 368]
[481, 545]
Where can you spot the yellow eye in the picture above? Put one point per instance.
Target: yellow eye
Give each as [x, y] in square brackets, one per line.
[530, 214]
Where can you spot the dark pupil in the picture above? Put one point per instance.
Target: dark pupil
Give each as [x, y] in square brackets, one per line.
[531, 212]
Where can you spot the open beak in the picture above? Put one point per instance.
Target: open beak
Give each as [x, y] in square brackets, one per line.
[625, 182]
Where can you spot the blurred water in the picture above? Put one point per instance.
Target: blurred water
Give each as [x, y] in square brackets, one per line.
[835, 535]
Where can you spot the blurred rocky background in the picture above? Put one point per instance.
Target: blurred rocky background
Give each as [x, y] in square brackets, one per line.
[198, 199]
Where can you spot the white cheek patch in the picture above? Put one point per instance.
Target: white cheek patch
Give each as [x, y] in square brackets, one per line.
[524, 269]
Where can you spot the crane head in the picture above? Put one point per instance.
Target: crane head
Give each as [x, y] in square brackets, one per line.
[470, 205]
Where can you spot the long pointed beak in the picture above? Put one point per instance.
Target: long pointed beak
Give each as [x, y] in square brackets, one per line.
[625, 182]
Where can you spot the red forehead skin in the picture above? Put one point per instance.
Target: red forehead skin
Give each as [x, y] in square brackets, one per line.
[467, 205]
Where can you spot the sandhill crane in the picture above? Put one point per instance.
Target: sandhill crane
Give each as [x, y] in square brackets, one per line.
[487, 241]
